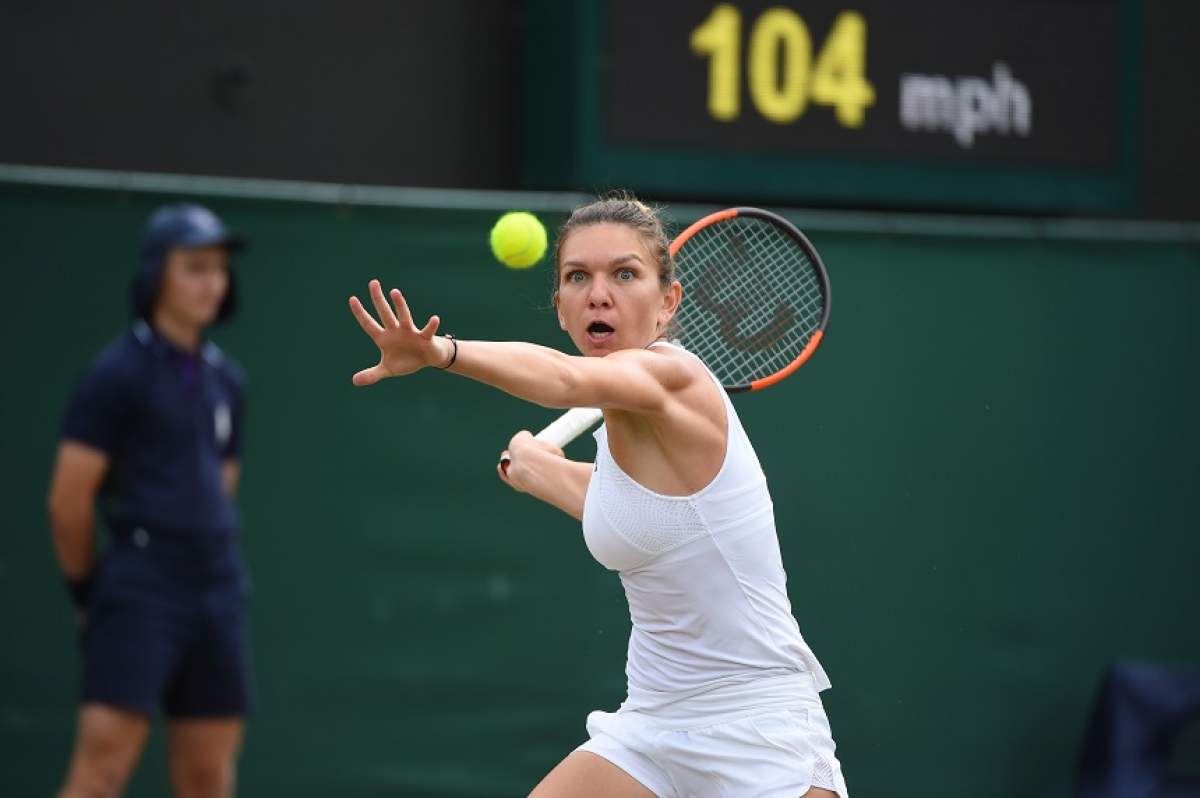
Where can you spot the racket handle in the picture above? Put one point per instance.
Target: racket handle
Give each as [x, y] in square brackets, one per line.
[569, 426]
[564, 429]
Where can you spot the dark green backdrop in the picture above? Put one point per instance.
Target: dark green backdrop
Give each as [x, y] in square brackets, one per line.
[985, 488]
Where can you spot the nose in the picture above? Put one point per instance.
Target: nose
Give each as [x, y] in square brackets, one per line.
[598, 295]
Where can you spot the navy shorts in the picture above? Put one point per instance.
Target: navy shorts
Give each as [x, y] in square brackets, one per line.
[166, 627]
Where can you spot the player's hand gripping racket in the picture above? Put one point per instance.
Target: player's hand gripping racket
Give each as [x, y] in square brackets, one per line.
[755, 305]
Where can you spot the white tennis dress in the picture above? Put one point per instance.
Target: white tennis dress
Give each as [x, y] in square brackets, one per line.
[722, 689]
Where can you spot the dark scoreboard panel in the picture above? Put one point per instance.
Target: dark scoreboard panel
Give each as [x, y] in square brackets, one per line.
[953, 80]
[1008, 104]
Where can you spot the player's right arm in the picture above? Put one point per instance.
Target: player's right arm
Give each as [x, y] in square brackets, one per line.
[78, 473]
[541, 470]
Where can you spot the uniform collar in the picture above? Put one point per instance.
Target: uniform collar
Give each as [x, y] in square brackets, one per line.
[153, 340]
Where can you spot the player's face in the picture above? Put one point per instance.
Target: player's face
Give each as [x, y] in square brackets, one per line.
[609, 295]
[194, 282]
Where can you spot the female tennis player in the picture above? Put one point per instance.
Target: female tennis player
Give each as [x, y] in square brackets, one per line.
[723, 693]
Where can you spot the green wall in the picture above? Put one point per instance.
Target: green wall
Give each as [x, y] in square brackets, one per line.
[984, 486]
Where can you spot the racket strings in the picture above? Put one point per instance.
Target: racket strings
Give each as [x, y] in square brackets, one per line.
[754, 298]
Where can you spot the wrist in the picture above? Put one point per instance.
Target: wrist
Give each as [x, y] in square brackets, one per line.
[448, 352]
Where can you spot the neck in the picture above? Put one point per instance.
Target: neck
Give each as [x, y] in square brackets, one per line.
[180, 333]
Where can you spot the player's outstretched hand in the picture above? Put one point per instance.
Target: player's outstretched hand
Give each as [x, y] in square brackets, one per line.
[403, 348]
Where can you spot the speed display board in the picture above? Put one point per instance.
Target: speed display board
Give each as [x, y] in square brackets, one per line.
[1005, 104]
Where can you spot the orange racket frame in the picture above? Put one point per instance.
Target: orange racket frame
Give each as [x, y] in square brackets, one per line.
[809, 250]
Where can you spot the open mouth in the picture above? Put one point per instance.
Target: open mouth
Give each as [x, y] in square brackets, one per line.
[598, 331]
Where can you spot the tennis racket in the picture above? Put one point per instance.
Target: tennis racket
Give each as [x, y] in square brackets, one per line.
[755, 305]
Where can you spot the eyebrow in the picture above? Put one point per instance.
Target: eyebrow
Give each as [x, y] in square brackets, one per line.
[619, 259]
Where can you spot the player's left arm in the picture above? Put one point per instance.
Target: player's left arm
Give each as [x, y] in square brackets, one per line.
[636, 380]
[640, 381]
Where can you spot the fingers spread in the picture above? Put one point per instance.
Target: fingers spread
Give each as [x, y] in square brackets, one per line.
[386, 317]
[430, 327]
[368, 324]
[402, 311]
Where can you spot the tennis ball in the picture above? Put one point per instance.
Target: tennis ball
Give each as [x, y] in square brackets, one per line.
[518, 240]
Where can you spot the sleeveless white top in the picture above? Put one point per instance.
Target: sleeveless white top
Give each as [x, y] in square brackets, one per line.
[702, 574]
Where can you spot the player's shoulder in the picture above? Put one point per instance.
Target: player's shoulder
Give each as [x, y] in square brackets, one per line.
[668, 361]
[223, 364]
[673, 352]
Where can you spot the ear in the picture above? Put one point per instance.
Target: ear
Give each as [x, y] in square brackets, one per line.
[671, 299]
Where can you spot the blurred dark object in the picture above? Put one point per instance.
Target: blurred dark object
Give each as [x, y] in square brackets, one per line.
[1171, 119]
[410, 94]
[1142, 713]
[228, 85]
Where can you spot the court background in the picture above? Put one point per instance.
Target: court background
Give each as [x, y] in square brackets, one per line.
[984, 487]
[985, 481]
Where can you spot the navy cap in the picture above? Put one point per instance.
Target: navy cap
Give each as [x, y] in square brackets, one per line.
[182, 224]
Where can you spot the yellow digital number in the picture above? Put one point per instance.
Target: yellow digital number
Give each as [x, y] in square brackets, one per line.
[719, 37]
[839, 78]
[779, 94]
[781, 76]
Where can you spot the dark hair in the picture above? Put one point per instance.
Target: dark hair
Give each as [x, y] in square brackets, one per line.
[622, 208]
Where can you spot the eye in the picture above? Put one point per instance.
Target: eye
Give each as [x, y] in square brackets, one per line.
[574, 277]
[626, 274]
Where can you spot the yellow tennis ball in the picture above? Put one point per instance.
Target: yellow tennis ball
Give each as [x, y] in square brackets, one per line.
[518, 240]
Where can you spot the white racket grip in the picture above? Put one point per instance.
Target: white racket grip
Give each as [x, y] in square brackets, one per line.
[564, 429]
[569, 426]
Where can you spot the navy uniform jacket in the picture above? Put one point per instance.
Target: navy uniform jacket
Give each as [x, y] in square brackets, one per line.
[167, 419]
